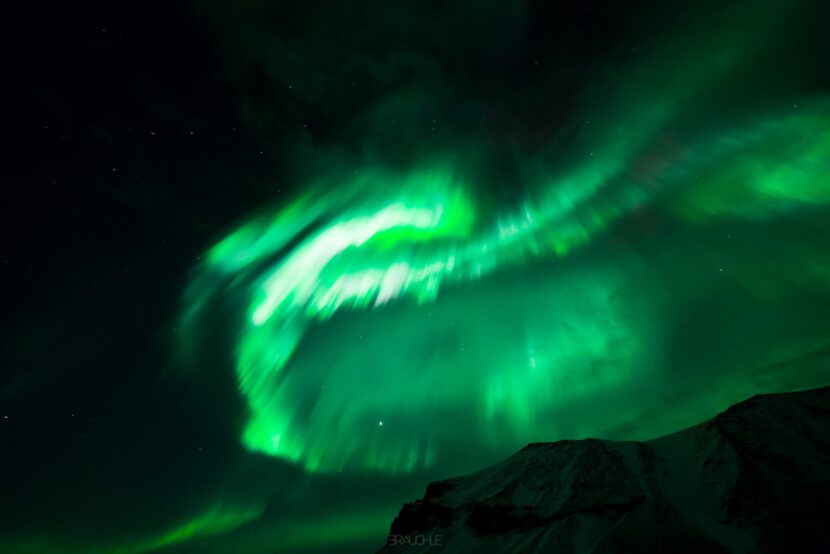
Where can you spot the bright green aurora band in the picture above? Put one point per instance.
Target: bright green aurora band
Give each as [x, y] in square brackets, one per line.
[666, 258]
[407, 244]
[490, 324]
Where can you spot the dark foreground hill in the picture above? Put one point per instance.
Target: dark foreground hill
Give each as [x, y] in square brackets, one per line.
[755, 478]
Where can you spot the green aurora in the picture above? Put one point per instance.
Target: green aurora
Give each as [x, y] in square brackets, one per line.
[563, 339]
[438, 291]
[389, 255]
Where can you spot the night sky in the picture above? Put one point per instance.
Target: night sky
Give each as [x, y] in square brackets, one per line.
[269, 268]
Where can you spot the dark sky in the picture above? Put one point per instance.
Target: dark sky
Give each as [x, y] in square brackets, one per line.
[511, 221]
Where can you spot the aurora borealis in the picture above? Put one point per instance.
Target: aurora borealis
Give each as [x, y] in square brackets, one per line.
[318, 256]
[372, 251]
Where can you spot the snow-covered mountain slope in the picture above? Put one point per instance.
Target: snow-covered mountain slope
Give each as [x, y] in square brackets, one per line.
[755, 478]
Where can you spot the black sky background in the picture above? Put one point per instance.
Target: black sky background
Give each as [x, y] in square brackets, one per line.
[127, 158]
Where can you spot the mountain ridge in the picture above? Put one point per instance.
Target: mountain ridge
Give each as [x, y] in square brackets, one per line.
[754, 478]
